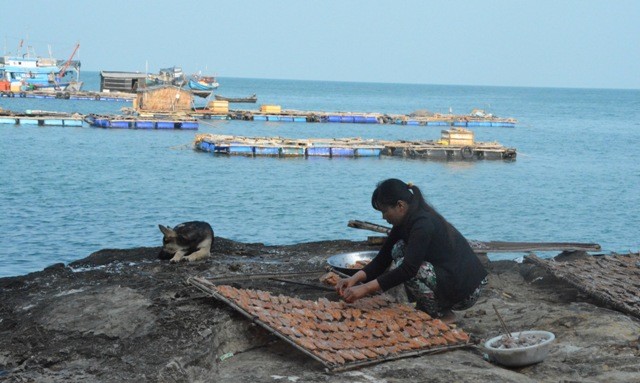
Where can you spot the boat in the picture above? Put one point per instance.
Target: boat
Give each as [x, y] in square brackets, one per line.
[168, 76]
[251, 99]
[30, 72]
[203, 83]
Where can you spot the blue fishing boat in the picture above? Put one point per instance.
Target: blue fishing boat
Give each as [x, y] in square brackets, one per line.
[30, 72]
[203, 83]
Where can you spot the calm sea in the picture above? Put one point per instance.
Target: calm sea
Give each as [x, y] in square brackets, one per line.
[67, 192]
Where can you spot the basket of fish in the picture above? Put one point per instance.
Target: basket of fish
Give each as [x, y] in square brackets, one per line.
[350, 263]
[520, 348]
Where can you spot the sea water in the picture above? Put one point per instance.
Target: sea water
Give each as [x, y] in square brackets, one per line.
[66, 192]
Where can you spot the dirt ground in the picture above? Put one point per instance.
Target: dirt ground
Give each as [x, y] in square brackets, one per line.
[123, 315]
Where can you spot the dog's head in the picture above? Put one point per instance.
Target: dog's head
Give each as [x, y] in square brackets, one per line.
[185, 239]
[169, 243]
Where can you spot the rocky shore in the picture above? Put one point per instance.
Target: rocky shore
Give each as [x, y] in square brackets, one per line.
[123, 315]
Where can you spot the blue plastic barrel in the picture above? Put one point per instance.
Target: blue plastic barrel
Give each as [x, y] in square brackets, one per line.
[319, 151]
[371, 120]
[241, 149]
[72, 122]
[334, 118]
[259, 118]
[28, 121]
[342, 152]
[145, 124]
[267, 151]
[193, 125]
[119, 124]
[359, 119]
[292, 151]
[166, 125]
[368, 152]
[55, 122]
[206, 146]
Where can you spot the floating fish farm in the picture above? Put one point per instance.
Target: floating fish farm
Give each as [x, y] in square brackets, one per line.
[139, 122]
[455, 144]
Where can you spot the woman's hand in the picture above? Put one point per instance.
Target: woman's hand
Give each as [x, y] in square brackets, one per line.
[354, 293]
[346, 283]
[351, 292]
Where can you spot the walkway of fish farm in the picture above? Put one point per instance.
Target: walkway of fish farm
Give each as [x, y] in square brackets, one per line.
[41, 118]
[441, 120]
[76, 95]
[350, 147]
[219, 110]
[142, 122]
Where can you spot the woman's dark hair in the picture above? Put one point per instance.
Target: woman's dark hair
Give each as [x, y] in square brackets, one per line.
[390, 191]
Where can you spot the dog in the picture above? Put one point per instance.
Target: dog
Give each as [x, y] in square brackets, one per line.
[189, 240]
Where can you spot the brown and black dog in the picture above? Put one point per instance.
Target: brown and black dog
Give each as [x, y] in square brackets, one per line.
[189, 240]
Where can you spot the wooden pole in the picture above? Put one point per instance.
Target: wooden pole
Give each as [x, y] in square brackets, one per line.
[497, 246]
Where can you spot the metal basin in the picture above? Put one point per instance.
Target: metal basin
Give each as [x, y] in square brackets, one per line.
[345, 262]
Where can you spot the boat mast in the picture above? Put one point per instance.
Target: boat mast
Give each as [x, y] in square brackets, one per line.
[68, 63]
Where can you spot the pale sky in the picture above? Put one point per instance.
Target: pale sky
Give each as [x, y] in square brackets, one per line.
[538, 43]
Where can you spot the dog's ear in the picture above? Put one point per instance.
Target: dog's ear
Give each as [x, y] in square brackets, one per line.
[166, 231]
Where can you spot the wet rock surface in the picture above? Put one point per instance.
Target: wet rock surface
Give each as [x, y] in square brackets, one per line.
[123, 315]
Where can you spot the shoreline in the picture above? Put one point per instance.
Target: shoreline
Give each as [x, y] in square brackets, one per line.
[123, 315]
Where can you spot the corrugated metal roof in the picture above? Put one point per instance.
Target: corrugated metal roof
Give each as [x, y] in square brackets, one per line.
[115, 74]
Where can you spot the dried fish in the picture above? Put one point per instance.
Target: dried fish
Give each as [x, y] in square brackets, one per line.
[340, 333]
[330, 278]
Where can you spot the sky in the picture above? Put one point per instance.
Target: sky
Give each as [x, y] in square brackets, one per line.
[541, 43]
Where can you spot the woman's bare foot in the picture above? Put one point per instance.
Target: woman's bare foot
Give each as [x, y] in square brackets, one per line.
[448, 317]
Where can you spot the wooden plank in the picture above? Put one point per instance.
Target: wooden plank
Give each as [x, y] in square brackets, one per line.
[496, 246]
[508, 247]
[369, 226]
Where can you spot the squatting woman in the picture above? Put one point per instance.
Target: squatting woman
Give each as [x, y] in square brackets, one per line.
[423, 251]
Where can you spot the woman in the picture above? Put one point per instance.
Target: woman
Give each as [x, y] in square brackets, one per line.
[439, 269]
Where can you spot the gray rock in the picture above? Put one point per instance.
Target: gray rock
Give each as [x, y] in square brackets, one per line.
[122, 315]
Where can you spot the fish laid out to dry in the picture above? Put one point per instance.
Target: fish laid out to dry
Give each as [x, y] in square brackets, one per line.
[330, 278]
[359, 264]
[339, 332]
